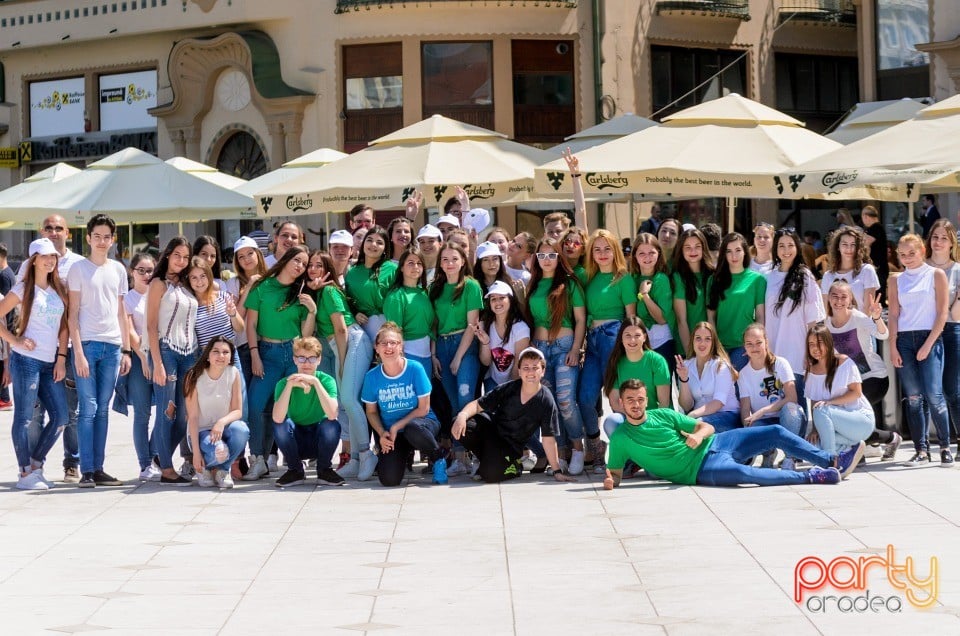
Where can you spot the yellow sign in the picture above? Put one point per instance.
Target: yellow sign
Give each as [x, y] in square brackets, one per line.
[9, 158]
[26, 151]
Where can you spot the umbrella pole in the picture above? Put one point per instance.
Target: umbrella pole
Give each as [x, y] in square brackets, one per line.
[129, 240]
[731, 208]
[910, 217]
[180, 228]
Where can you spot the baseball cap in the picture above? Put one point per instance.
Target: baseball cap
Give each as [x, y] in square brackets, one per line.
[430, 231]
[534, 351]
[477, 219]
[243, 242]
[499, 288]
[43, 247]
[486, 249]
[341, 237]
[449, 218]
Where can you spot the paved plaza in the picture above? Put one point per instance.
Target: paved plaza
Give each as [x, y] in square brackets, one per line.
[530, 557]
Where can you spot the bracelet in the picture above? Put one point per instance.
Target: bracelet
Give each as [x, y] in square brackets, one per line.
[574, 174]
[126, 351]
[683, 381]
[233, 315]
[253, 348]
[61, 355]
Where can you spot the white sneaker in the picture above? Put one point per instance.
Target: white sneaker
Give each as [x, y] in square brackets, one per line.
[258, 468]
[368, 464]
[187, 471]
[457, 468]
[272, 463]
[205, 480]
[528, 462]
[576, 462]
[33, 481]
[350, 470]
[43, 478]
[223, 479]
[150, 473]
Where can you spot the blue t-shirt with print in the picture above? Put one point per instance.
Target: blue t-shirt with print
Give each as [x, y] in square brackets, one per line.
[398, 395]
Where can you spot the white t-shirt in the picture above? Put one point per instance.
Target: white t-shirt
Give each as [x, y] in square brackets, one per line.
[855, 339]
[63, 265]
[815, 387]
[762, 268]
[953, 288]
[787, 330]
[716, 383]
[270, 260]
[866, 279]
[763, 387]
[518, 274]
[136, 305]
[504, 353]
[44, 325]
[100, 288]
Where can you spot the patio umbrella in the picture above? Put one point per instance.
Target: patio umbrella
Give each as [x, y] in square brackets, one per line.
[869, 118]
[609, 130]
[207, 173]
[31, 184]
[132, 187]
[433, 155]
[291, 170]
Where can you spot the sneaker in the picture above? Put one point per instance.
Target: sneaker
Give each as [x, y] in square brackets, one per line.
[43, 478]
[223, 479]
[272, 463]
[150, 473]
[440, 472]
[187, 471]
[205, 479]
[86, 481]
[329, 477]
[32, 481]
[71, 475]
[350, 470]
[848, 459]
[290, 478]
[344, 460]
[890, 450]
[6, 405]
[180, 481]
[258, 469]
[368, 464]
[576, 462]
[457, 468]
[817, 475]
[104, 479]
[946, 459]
[768, 459]
[918, 459]
[529, 462]
[788, 464]
[630, 470]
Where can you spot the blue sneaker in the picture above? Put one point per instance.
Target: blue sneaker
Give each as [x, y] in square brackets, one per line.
[440, 472]
[817, 475]
[848, 459]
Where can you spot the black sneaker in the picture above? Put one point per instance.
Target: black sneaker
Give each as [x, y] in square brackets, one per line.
[946, 459]
[86, 481]
[103, 479]
[291, 478]
[179, 481]
[329, 477]
[918, 459]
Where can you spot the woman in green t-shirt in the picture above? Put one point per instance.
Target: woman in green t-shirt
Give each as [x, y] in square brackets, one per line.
[367, 282]
[573, 242]
[408, 305]
[692, 267]
[278, 311]
[655, 295]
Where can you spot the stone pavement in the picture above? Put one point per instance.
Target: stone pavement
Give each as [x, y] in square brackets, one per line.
[530, 557]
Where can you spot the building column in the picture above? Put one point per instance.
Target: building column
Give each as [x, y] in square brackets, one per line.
[278, 155]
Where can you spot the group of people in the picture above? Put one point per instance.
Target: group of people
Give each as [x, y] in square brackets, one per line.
[488, 358]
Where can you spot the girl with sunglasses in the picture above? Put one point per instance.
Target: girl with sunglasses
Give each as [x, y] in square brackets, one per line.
[139, 380]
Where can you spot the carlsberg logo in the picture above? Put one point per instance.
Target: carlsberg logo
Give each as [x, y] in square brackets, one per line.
[478, 192]
[603, 181]
[296, 203]
[837, 179]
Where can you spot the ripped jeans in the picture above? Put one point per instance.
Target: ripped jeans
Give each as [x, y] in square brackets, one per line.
[170, 424]
[459, 387]
[923, 381]
[32, 379]
[562, 382]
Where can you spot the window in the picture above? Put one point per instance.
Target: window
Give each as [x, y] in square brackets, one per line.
[56, 107]
[373, 92]
[458, 81]
[543, 91]
[816, 89]
[676, 72]
[125, 99]
[902, 70]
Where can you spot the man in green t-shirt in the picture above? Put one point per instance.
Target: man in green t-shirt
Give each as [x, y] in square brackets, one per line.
[304, 414]
[686, 451]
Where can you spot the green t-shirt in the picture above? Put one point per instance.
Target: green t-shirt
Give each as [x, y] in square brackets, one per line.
[607, 300]
[304, 407]
[275, 323]
[367, 291]
[452, 314]
[651, 369]
[581, 273]
[737, 308]
[662, 294]
[332, 301]
[410, 307]
[658, 446]
[539, 309]
[696, 311]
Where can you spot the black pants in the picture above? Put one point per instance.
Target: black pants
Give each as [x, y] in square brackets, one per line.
[420, 434]
[499, 460]
[875, 389]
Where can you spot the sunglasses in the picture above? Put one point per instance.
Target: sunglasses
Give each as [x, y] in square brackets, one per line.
[53, 228]
[306, 359]
[547, 256]
[572, 243]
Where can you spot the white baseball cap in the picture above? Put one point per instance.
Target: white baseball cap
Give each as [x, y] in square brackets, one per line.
[429, 231]
[477, 219]
[499, 288]
[486, 249]
[341, 237]
[533, 350]
[244, 241]
[449, 218]
[43, 247]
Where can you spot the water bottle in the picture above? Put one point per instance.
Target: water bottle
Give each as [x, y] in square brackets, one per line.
[220, 451]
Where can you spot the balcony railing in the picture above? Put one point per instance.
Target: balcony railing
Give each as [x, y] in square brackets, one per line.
[347, 6]
[832, 12]
[737, 9]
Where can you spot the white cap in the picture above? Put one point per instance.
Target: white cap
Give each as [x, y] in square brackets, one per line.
[499, 288]
[245, 241]
[449, 218]
[43, 247]
[486, 249]
[341, 237]
[430, 231]
[686, 227]
[532, 350]
[477, 219]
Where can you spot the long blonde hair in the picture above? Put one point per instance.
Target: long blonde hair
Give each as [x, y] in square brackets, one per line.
[619, 262]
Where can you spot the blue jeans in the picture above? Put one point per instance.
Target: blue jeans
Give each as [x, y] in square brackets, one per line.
[799, 383]
[93, 394]
[235, 436]
[32, 379]
[738, 357]
[722, 465]
[459, 387]
[951, 371]
[277, 359]
[71, 448]
[350, 381]
[839, 429]
[140, 397]
[923, 381]
[723, 420]
[669, 352]
[169, 431]
[791, 417]
[601, 341]
[562, 382]
[313, 441]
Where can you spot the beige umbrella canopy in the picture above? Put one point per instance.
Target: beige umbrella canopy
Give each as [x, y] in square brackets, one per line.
[207, 173]
[433, 155]
[869, 118]
[609, 130]
[291, 170]
[32, 184]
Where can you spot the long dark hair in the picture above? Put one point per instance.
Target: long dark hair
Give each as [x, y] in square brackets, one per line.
[514, 315]
[501, 275]
[394, 223]
[190, 380]
[722, 277]
[610, 376]
[558, 300]
[29, 280]
[795, 281]
[412, 250]
[163, 263]
[831, 360]
[692, 282]
[300, 282]
[202, 242]
[440, 278]
[376, 230]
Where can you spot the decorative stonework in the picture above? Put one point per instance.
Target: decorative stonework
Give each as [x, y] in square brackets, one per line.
[949, 53]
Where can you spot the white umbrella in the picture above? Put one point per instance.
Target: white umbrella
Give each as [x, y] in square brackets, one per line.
[869, 118]
[37, 181]
[433, 155]
[291, 170]
[207, 173]
[132, 187]
[609, 130]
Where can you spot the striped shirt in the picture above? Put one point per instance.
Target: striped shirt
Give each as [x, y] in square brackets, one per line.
[213, 321]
